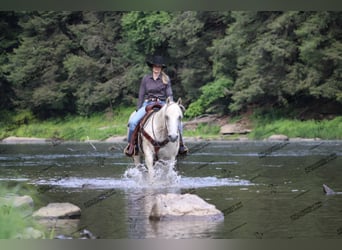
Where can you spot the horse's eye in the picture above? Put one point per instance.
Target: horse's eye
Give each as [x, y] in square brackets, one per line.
[167, 118]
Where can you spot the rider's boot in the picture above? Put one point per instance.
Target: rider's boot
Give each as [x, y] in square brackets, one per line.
[183, 150]
[132, 149]
[129, 149]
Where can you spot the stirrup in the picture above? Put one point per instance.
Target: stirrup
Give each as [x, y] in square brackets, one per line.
[129, 150]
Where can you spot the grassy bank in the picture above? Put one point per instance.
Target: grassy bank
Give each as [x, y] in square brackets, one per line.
[325, 129]
[96, 127]
[205, 131]
[103, 125]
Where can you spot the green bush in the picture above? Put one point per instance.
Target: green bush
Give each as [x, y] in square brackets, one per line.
[212, 95]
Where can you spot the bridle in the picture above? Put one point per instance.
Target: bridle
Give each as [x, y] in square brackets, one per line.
[156, 144]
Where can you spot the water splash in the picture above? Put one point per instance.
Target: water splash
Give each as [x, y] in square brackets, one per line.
[137, 178]
[137, 182]
[164, 175]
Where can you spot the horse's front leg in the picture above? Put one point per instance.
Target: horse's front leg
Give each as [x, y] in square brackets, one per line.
[137, 160]
[149, 164]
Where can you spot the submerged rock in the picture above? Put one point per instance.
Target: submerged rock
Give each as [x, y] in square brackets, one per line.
[58, 210]
[30, 233]
[184, 207]
[60, 226]
[84, 234]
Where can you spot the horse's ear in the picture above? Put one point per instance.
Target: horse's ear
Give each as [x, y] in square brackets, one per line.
[179, 102]
[168, 100]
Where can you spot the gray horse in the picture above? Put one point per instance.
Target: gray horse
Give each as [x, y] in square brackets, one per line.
[159, 136]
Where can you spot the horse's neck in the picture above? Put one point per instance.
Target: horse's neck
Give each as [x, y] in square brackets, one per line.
[159, 125]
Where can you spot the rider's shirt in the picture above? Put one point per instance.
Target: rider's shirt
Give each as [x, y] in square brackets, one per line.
[153, 88]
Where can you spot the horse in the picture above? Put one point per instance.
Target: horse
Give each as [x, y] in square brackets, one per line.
[159, 136]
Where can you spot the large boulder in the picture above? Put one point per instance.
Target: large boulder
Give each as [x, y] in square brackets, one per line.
[63, 218]
[183, 206]
[58, 210]
[233, 128]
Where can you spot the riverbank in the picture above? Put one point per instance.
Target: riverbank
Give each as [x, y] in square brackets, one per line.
[113, 127]
[123, 139]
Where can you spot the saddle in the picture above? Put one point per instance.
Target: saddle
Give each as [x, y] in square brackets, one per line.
[152, 107]
[133, 148]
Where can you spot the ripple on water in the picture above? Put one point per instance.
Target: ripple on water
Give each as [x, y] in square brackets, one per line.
[138, 180]
[137, 177]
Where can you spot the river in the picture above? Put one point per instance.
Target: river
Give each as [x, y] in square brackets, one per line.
[266, 190]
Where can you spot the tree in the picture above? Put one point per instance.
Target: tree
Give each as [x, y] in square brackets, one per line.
[66, 62]
[276, 57]
[35, 65]
[80, 62]
[96, 67]
[189, 34]
[320, 51]
[9, 31]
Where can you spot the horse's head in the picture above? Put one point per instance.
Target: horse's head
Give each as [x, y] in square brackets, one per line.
[173, 118]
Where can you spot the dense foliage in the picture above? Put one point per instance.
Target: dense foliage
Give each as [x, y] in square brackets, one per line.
[57, 63]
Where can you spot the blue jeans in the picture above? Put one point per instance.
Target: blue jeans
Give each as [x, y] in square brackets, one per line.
[133, 122]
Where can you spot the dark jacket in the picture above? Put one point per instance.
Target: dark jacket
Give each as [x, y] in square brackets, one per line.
[153, 88]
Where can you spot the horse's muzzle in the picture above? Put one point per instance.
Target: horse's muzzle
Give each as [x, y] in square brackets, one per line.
[173, 138]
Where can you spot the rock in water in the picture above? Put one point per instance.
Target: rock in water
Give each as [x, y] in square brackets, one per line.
[183, 207]
[30, 233]
[17, 201]
[58, 210]
[23, 203]
[328, 191]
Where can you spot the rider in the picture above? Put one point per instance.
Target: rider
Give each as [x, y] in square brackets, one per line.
[154, 88]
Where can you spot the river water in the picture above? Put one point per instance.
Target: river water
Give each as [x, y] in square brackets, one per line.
[266, 190]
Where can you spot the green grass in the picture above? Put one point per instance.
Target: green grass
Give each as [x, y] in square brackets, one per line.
[103, 125]
[325, 129]
[204, 131]
[96, 127]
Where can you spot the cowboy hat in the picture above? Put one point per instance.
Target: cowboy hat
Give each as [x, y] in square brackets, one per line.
[156, 60]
